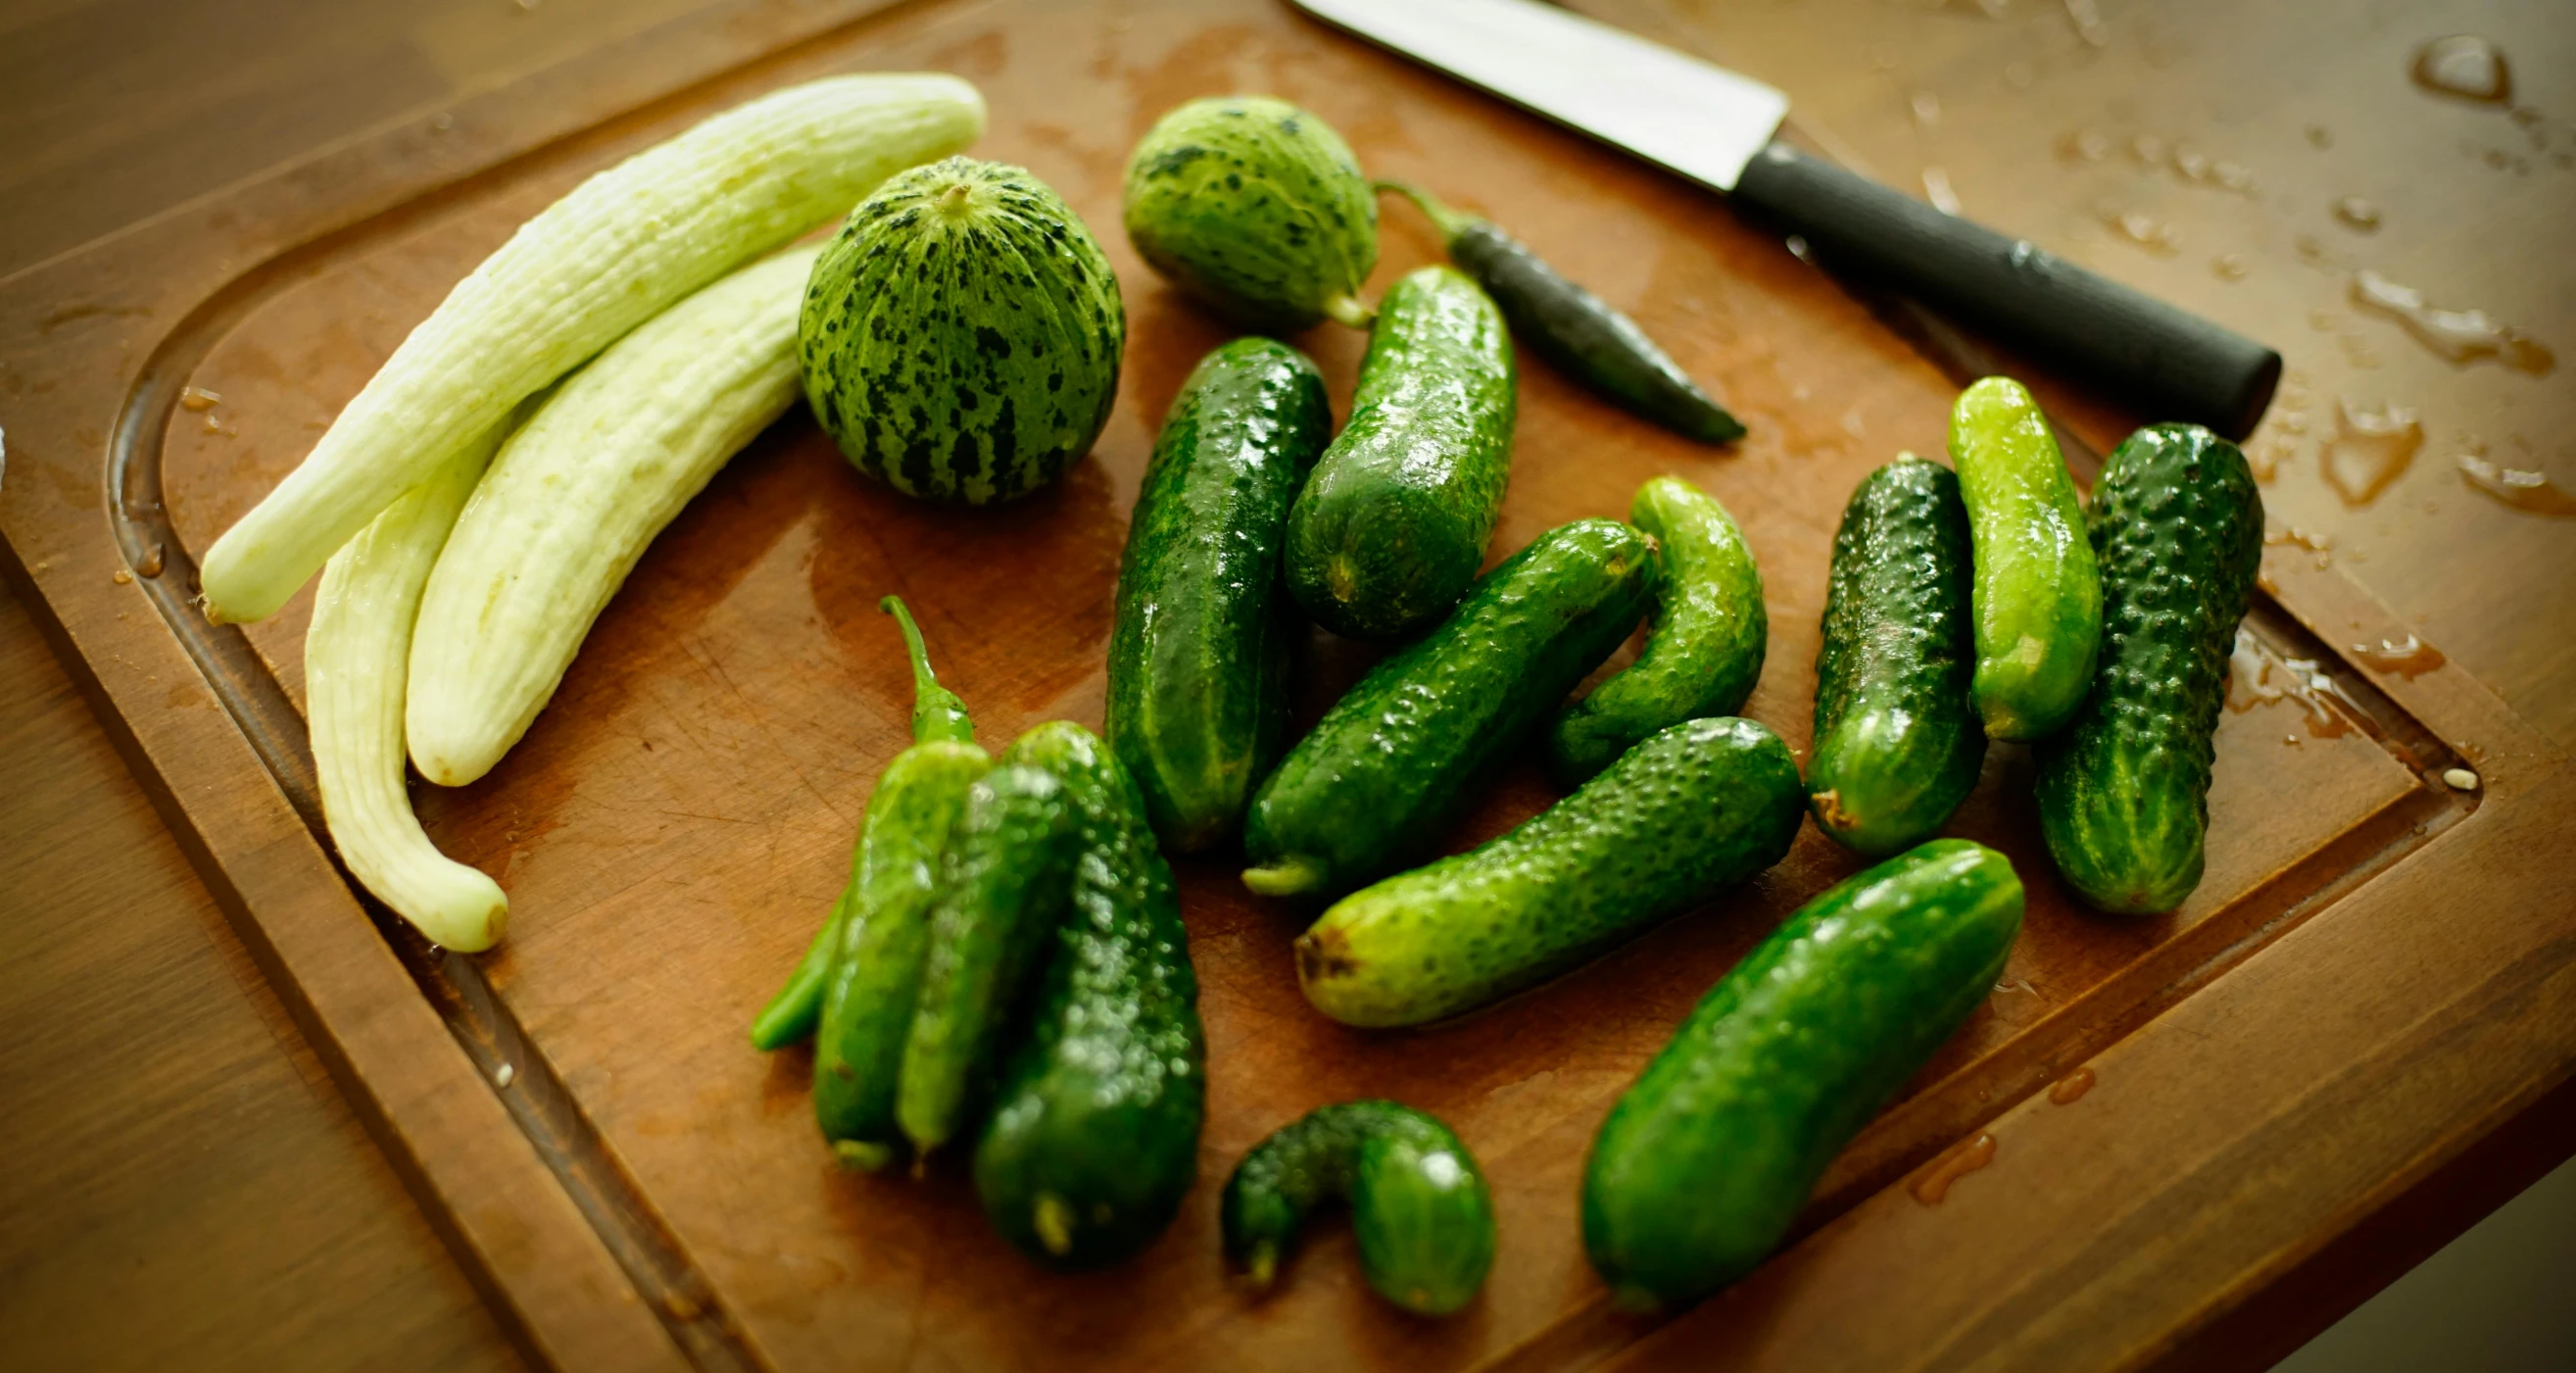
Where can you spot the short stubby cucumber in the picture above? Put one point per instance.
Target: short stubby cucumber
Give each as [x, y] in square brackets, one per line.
[1198, 662]
[1698, 807]
[1897, 746]
[1424, 1217]
[1705, 651]
[962, 333]
[1703, 1165]
[2038, 598]
[1392, 761]
[1003, 882]
[1094, 1135]
[1257, 208]
[2124, 791]
[1393, 521]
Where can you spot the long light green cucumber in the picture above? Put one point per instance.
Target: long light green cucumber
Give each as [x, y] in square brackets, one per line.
[354, 674]
[575, 498]
[625, 244]
[2037, 594]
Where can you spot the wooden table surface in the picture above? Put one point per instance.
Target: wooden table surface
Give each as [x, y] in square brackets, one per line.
[181, 1185]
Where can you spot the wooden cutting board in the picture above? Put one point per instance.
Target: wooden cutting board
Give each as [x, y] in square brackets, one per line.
[635, 1186]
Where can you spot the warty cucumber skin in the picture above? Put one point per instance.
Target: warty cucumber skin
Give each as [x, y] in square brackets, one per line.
[1392, 524]
[1255, 207]
[1094, 1133]
[1703, 654]
[1703, 1165]
[875, 976]
[1003, 883]
[1698, 807]
[1419, 1204]
[1388, 765]
[1198, 661]
[1897, 745]
[2124, 791]
[2037, 595]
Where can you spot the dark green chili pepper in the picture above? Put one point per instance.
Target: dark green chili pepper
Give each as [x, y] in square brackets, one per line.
[1573, 328]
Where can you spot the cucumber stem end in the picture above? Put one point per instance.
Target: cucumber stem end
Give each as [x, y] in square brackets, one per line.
[1348, 309]
[1287, 877]
[1054, 1223]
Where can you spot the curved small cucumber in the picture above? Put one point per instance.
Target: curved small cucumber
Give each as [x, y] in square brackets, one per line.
[1392, 524]
[877, 962]
[1094, 1135]
[1703, 805]
[1419, 1203]
[1705, 651]
[2124, 792]
[1390, 763]
[1897, 746]
[1198, 662]
[1002, 886]
[2037, 595]
[1701, 1168]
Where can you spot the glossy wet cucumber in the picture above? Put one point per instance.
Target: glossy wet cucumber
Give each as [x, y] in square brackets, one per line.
[1424, 1218]
[2124, 791]
[1198, 661]
[1390, 763]
[1897, 745]
[1696, 808]
[1705, 651]
[1703, 1165]
[2037, 596]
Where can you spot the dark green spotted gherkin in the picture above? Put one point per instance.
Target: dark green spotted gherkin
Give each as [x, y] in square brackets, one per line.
[961, 334]
[1257, 208]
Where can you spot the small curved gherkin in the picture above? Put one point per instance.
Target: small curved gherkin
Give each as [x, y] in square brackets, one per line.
[1256, 207]
[961, 335]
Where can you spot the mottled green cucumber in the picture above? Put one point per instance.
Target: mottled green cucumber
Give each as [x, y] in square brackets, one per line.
[1198, 662]
[1702, 1167]
[1094, 1135]
[1698, 807]
[1393, 521]
[1897, 746]
[2124, 791]
[2037, 596]
[1255, 207]
[1705, 651]
[1002, 887]
[1419, 1204]
[1391, 762]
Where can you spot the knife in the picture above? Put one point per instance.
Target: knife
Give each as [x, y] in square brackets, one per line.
[1712, 126]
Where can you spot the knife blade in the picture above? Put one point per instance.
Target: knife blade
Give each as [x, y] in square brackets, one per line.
[1719, 129]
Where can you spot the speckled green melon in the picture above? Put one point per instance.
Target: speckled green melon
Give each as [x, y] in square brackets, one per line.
[961, 334]
[1256, 207]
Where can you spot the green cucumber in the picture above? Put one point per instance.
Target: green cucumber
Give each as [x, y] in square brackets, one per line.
[1198, 662]
[1391, 762]
[1094, 1134]
[1703, 1165]
[2124, 791]
[1257, 208]
[1424, 1217]
[2038, 598]
[1705, 651]
[1897, 746]
[1002, 886]
[1393, 521]
[1698, 807]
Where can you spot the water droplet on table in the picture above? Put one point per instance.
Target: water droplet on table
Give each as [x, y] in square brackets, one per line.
[2523, 490]
[2229, 266]
[2068, 1090]
[2369, 449]
[2357, 214]
[2148, 233]
[2466, 66]
[2319, 136]
[1936, 188]
[1955, 1163]
[2410, 660]
[198, 398]
[2459, 335]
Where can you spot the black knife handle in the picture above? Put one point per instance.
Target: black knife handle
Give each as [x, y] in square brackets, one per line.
[2171, 364]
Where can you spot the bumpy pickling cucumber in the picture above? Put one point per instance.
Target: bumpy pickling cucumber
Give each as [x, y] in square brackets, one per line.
[1393, 521]
[1897, 746]
[1002, 887]
[1198, 663]
[2124, 791]
[1093, 1138]
[2038, 598]
[1256, 207]
[1705, 651]
[1704, 1164]
[1699, 806]
[1418, 1201]
[1390, 762]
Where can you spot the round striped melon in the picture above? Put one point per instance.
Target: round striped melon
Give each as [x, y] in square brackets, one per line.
[961, 334]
